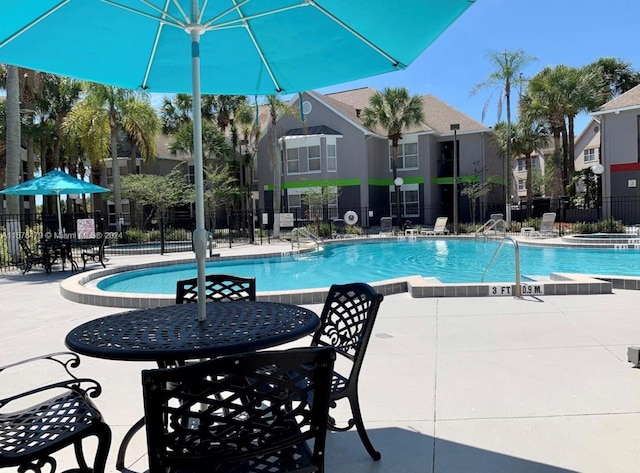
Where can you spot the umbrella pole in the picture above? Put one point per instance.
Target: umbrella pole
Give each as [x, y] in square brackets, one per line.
[200, 234]
[59, 215]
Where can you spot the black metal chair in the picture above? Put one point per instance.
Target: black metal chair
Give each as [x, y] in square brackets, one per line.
[95, 253]
[31, 258]
[219, 287]
[347, 321]
[340, 228]
[252, 412]
[30, 436]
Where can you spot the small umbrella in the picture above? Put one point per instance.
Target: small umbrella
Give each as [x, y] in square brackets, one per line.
[54, 183]
[245, 47]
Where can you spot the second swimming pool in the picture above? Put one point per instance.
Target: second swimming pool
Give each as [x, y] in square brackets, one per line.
[449, 260]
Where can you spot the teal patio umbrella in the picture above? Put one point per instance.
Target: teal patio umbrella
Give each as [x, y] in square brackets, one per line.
[243, 47]
[54, 183]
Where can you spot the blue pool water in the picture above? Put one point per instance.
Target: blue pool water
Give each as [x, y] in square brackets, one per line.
[451, 261]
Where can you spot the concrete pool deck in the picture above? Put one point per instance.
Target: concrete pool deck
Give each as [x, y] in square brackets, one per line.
[449, 385]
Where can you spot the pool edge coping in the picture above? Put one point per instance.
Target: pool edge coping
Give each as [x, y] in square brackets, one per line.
[74, 288]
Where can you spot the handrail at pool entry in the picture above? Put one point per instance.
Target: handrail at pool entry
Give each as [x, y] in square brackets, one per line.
[518, 293]
[305, 233]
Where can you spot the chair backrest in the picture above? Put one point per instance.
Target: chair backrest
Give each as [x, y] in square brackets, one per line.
[340, 226]
[441, 224]
[548, 220]
[386, 225]
[219, 287]
[498, 222]
[25, 248]
[346, 322]
[253, 411]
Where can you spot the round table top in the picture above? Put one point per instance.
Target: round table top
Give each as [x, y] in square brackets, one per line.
[170, 333]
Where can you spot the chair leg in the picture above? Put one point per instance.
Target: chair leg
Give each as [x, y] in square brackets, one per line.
[103, 434]
[104, 442]
[125, 443]
[362, 432]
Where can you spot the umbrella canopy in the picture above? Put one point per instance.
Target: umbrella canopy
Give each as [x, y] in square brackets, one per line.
[54, 183]
[244, 47]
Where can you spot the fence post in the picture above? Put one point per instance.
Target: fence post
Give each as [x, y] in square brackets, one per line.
[161, 234]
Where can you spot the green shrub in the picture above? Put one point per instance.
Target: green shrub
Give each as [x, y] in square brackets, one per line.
[135, 235]
[603, 226]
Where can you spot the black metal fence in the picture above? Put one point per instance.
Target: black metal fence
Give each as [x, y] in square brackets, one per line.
[142, 233]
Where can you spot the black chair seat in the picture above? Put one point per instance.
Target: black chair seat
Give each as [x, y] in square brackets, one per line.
[30, 436]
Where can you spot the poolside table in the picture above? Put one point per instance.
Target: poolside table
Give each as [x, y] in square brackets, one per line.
[171, 335]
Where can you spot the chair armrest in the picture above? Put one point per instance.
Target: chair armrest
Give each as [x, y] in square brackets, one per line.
[83, 386]
[66, 360]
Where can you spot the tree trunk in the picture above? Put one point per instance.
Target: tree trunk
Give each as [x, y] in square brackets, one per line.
[529, 184]
[394, 168]
[115, 173]
[13, 138]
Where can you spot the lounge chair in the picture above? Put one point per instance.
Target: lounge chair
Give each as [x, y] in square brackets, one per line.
[546, 226]
[386, 226]
[439, 228]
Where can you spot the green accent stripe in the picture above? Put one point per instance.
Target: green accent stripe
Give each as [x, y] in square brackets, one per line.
[449, 180]
[389, 182]
[318, 183]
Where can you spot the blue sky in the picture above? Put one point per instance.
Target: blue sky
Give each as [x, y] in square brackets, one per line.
[571, 32]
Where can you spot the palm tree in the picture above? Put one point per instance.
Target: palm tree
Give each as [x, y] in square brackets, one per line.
[394, 110]
[215, 148]
[529, 137]
[13, 169]
[545, 101]
[100, 116]
[509, 66]
[611, 77]
[277, 108]
[174, 112]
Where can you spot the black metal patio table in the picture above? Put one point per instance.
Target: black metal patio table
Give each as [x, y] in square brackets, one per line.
[172, 334]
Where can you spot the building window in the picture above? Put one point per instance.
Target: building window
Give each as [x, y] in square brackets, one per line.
[534, 162]
[409, 200]
[590, 155]
[314, 158]
[522, 165]
[407, 156]
[332, 160]
[522, 184]
[294, 155]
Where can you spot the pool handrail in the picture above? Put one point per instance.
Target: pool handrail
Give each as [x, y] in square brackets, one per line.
[518, 291]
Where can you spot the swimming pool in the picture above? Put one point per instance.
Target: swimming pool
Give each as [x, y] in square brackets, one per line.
[449, 260]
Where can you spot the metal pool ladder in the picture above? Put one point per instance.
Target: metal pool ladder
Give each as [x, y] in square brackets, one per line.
[518, 292]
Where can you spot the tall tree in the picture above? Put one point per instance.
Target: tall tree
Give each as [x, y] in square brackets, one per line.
[393, 110]
[277, 108]
[215, 148]
[175, 112]
[545, 100]
[509, 67]
[611, 77]
[529, 137]
[13, 147]
[97, 121]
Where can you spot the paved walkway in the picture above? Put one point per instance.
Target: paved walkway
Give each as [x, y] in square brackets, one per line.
[478, 385]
